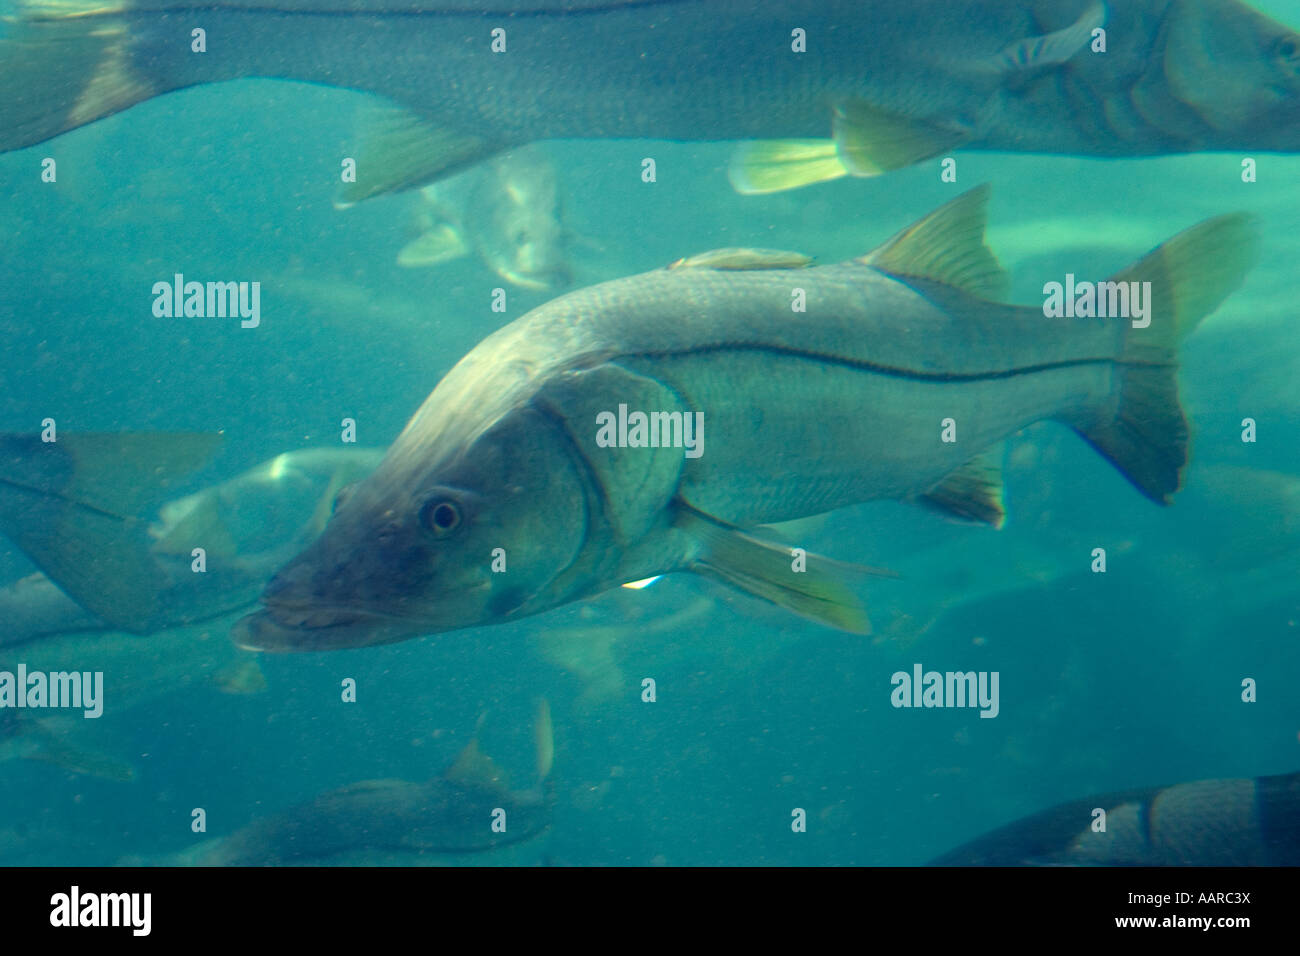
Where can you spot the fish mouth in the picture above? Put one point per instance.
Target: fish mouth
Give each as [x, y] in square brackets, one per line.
[280, 628]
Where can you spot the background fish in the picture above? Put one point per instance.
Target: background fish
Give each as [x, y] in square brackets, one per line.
[891, 84]
[506, 211]
[71, 506]
[452, 813]
[505, 453]
[1206, 823]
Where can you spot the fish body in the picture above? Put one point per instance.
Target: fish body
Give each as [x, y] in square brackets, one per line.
[470, 807]
[430, 817]
[507, 211]
[503, 496]
[1245, 822]
[889, 83]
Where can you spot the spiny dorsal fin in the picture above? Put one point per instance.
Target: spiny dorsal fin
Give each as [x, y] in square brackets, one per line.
[973, 492]
[401, 150]
[947, 246]
[744, 259]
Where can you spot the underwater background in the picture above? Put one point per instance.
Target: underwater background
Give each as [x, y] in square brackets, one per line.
[1108, 681]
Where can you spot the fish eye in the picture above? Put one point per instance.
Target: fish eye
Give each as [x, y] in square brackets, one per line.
[440, 516]
[1288, 48]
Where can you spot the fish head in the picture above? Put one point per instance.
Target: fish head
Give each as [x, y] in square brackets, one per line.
[518, 225]
[1238, 70]
[440, 537]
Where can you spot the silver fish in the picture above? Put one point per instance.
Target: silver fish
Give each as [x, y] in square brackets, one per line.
[452, 813]
[503, 498]
[1205, 823]
[506, 211]
[889, 83]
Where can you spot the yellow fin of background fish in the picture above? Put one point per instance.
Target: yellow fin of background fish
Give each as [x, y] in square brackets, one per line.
[764, 570]
[72, 507]
[974, 491]
[870, 140]
[401, 150]
[241, 678]
[744, 259]
[442, 243]
[775, 165]
[947, 246]
[1190, 276]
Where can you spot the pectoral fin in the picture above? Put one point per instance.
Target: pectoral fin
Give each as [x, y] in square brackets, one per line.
[442, 243]
[401, 150]
[767, 570]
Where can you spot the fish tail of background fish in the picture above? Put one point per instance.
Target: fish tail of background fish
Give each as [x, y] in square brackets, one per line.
[1140, 426]
[73, 506]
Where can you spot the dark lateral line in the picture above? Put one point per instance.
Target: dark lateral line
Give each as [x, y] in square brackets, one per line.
[943, 378]
[83, 505]
[379, 14]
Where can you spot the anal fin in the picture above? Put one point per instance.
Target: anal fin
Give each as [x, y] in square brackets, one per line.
[775, 165]
[973, 492]
[871, 140]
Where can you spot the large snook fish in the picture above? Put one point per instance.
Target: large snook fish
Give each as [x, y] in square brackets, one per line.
[503, 498]
[891, 82]
[1241, 822]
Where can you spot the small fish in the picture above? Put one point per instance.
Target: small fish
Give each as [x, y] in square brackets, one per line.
[508, 463]
[1246, 822]
[818, 88]
[506, 211]
[453, 813]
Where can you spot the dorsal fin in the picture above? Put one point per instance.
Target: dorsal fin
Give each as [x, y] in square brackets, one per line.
[475, 768]
[744, 259]
[947, 246]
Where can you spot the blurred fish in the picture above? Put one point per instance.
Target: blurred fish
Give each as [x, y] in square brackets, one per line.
[506, 211]
[507, 452]
[453, 813]
[1206, 823]
[892, 83]
[71, 506]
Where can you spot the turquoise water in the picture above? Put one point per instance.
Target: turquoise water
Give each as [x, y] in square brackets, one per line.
[1108, 682]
